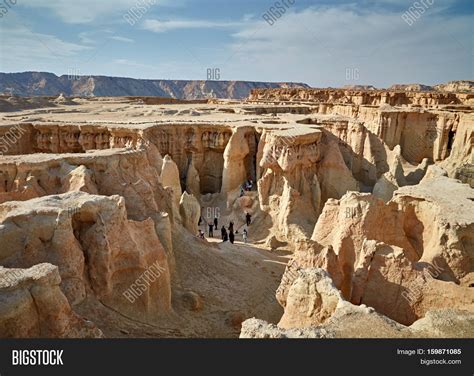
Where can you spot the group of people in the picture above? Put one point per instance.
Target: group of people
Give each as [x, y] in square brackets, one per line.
[226, 234]
[230, 235]
[247, 186]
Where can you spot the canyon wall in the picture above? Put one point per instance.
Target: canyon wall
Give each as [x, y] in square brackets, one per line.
[358, 184]
[94, 246]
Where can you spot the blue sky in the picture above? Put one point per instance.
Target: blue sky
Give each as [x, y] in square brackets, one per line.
[322, 43]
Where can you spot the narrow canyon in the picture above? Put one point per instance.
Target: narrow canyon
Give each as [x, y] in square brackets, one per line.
[357, 207]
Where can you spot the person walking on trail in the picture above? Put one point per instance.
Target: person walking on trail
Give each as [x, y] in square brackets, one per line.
[231, 236]
[231, 227]
[211, 227]
[223, 234]
[215, 223]
[245, 235]
[248, 218]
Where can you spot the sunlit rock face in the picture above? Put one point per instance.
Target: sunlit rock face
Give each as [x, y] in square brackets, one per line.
[417, 248]
[94, 246]
[288, 186]
[33, 305]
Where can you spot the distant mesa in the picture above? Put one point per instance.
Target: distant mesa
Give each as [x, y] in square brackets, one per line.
[48, 84]
[34, 84]
[457, 86]
[451, 86]
[411, 87]
[359, 87]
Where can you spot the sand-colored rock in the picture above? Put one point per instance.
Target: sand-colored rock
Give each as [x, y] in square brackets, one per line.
[288, 188]
[312, 300]
[439, 220]
[410, 289]
[460, 144]
[456, 86]
[358, 97]
[170, 177]
[95, 248]
[190, 211]
[33, 305]
[79, 179]
[193, 182]
[366, 252]
[235, 172]
[316, 309]
[363, 322]
[385, 187]
[359, 183]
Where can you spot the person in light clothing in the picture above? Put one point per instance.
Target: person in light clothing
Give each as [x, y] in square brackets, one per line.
[245, 235]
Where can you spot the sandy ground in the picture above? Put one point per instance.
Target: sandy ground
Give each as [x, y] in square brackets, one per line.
[120, 112]
[234, 282]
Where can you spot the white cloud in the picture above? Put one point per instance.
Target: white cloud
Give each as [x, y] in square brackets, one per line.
[132, 63]
[122, 39]
[99, 37]
[87, 38]
[19, 42]
[408, 3]
[169, 25]
[85, 11]
[317, 45]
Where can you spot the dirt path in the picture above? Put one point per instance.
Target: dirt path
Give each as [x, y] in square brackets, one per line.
[233, 281]
[236, 282]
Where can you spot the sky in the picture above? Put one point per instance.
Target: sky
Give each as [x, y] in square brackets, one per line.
[321, 43]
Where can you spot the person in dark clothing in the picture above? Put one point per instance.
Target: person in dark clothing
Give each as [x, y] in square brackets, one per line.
[224, 234]
[200, 218]
[248, 218]
[211, 227]
[215, 223]
[231, 227]
[231, 236]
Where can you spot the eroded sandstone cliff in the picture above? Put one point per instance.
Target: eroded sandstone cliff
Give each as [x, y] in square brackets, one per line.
[361, 184]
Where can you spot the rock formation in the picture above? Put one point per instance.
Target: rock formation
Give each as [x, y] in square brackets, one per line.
[288, 186]
[94, 246]
[43, 83]
[235, 172]
[33, 305]
[457, 86]
[190, 211]
[370, 190]
[315, 309]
